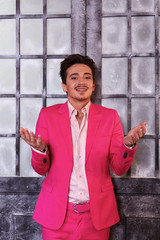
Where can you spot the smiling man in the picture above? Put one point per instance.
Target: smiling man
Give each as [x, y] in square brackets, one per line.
[79, 86]
[75, 143]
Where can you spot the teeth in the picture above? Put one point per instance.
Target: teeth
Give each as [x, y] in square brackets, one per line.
[81, 90]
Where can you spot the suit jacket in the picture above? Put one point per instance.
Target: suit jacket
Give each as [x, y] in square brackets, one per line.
[104, 147]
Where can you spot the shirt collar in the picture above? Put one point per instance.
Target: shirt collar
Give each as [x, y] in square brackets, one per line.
[72, 110]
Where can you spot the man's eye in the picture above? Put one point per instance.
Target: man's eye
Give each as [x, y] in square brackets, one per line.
[73, 78]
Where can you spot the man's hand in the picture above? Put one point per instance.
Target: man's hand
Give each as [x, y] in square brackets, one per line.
[30, 139]
[135, 134]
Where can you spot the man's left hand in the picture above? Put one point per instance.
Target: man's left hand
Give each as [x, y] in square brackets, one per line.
[135, 134]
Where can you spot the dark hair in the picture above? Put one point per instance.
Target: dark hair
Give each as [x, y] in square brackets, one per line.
[74, 59]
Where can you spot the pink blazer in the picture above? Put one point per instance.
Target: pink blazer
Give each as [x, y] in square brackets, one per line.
[104, 147]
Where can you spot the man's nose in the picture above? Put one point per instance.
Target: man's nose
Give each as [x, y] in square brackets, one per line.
[81, 80]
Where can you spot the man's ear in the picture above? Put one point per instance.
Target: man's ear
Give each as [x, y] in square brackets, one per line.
[64, 87]
[93, 87]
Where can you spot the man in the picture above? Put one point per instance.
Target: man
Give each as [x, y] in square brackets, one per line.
[74, 144]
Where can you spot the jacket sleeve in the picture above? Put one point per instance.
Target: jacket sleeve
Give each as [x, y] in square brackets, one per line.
[120, 156]
[41, 162]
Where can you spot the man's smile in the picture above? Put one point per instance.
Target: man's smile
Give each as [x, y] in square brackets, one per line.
[81, 88]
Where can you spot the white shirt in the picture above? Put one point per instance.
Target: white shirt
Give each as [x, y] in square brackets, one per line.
[78, 191]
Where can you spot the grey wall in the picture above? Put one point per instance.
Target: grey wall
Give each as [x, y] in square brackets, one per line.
[138, 203]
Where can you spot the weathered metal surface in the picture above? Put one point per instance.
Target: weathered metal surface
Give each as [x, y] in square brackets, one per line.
[78, 43]
[138, 204]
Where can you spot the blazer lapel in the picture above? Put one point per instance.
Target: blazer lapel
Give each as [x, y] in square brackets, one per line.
[65, 128]
[93, 126]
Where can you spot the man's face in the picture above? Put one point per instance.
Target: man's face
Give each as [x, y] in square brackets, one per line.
[79, 83]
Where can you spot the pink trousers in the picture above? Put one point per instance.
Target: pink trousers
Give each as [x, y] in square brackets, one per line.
[77, 226]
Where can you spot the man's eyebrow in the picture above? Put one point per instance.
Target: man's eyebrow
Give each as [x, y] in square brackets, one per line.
[73, 74]
[88, 73]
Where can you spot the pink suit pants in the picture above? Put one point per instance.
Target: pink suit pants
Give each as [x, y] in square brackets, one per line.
[77, 226]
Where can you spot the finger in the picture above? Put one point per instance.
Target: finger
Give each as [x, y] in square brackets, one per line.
[22, 132]
[32, 137]
[27, 135]
[140, 133]
[142, 129]
[39, 140]
[41, 143]
[21, 129]
[143, 125]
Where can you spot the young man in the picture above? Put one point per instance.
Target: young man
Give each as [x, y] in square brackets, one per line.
[74, 144]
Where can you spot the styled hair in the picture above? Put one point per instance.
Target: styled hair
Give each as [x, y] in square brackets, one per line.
[74, 59]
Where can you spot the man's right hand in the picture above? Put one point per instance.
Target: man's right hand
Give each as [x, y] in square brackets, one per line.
[30, 139]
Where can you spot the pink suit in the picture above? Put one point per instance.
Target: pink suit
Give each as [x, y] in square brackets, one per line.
[104, 145]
